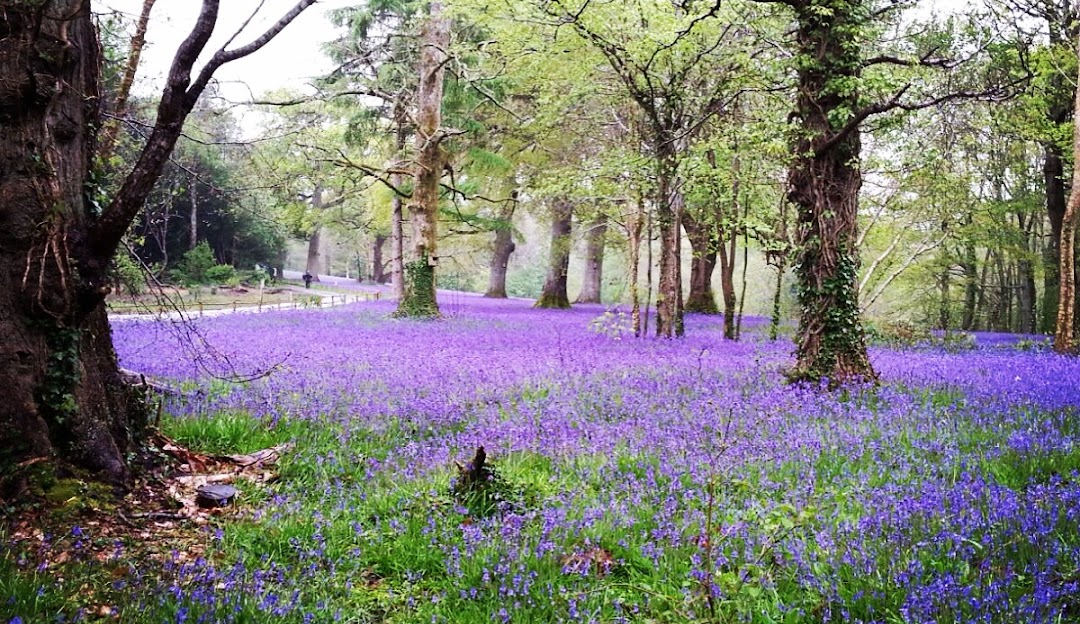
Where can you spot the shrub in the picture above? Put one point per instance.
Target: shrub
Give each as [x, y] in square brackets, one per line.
[221, 274]
[196, 263]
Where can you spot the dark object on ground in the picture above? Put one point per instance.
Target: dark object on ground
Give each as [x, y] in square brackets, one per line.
[307, 279]
[215, 495]
[481, 490]
[475, 474]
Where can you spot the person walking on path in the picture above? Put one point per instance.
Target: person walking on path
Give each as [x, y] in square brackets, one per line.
[307, 279]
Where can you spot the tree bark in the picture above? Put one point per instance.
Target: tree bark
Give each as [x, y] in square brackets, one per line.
[397, 234]
[972, 287]
[502, 248]
[1054, 182]
[193, 217]
[418, 298]
[554, 294]
[595, 239]
[66, 397]
[633, 234]
[378, 275]
[702, 236]
[313, 266]
[824, 182]
[945, 303]
[1065, 328]
[729, 240]
[669, 211]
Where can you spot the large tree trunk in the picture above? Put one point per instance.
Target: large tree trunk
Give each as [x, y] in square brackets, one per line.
[701, 234]
[824, 181]
[554, 294]
[502, 248]
[418, 298]
[63, 392]
[594, 261]
[65, 396]
[669, 210]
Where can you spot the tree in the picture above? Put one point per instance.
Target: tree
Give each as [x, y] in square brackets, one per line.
[418, 298]
[595, 240]
[554, 294]
[1065, 332]
[502, 247]
[677, 62]
[839, 87]
[1054, 25]
[56, 245]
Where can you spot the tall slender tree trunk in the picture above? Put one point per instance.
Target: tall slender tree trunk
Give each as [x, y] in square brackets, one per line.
[775, 318]
[502, 248]
[554, 294]
[1065, 327]
[193, 217]
[945, 303]
[418, 298]
[729, 236]
[824, 182]
[138, 40]
[702, 236]
[633, 234]
[397, 234]
[595, 240]
[972, 288]
[669, 210]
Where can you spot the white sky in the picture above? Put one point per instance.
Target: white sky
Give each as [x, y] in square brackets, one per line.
[290, 60]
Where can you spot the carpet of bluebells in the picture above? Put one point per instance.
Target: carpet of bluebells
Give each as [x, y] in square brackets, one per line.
[638, 480]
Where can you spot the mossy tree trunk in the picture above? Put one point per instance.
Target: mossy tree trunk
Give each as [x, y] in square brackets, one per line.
[595, 240]
[65, 396]
[824, 182]
[418, 296]
[553, 294]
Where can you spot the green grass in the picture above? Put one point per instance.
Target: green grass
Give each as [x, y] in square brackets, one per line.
[380, 549]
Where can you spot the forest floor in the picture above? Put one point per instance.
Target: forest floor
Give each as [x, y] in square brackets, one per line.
[622, 479]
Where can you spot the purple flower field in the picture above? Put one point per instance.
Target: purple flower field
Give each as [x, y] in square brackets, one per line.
[644, 480]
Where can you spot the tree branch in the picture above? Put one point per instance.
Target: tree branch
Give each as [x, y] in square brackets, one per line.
[177, 100]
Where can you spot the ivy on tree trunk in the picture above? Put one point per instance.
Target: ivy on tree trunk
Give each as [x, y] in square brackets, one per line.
[824, 181]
